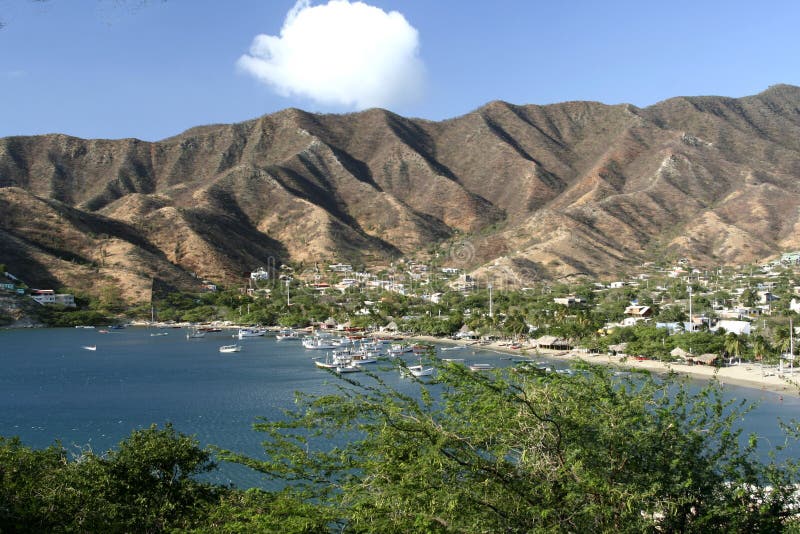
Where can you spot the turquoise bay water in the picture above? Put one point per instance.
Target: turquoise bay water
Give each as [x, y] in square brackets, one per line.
[53, 389]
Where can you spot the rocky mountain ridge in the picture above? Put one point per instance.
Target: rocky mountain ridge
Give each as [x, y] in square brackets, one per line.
[530, 191]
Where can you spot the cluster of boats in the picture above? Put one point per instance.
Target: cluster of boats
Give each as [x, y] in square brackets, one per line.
[347, 355]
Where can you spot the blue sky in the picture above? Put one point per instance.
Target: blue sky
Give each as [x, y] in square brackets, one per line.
[151, 68]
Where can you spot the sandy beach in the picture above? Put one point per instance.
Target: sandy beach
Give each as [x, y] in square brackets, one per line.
[750, 375]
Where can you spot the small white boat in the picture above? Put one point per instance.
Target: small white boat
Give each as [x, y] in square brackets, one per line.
[89, 347]
[195, 334]
[249, 332]
[363, 358]
[418, 370]
[457, 347]
[396, 349]
[287, 335]
[319, 343]
[230, 348]
[481, 367]
[347, 369]
[157, 334]
[337, 366]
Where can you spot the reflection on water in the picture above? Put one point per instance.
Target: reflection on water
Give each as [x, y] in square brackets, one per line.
[51, 388]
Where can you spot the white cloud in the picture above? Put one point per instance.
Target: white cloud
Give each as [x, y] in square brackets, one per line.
[342, 54]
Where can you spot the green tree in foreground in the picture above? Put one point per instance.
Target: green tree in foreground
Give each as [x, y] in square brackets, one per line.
[526, 452]
[516, 452]
[146, 485]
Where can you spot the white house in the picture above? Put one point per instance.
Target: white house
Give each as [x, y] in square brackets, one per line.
[44, 296]
[735, 327]
[260, 274]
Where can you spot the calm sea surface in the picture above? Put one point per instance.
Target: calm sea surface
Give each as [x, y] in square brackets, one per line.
[53, 389]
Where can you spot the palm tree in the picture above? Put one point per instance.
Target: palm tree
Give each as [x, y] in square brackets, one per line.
[760, 348]
[782, 338]
[734, 345]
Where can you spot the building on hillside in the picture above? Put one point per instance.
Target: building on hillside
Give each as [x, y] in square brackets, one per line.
[341, 267]
[435, 298]
[259, 274]
[569, 300]
[209, 286]
[696, 324]
[791, 258]
[765, 297]
[65, 299]
[464, 283]
[733, 327]
[43, 296]
[638, 312]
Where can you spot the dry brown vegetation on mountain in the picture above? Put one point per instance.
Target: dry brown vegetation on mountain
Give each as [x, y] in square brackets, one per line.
[577, 187]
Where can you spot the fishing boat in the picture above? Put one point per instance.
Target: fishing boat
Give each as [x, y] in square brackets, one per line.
[371, 346]
[195, 333]
[231, 348]
[457, 347]
[419, 370]
[249, 332]
[347, 369]
[319, 343]
[363, 358]
[287, 335]
[89, 347]
[395, 349]
[159, 334]
[339, 365]
[480, 367]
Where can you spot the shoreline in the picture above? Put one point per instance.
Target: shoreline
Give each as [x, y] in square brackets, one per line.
[748, 375]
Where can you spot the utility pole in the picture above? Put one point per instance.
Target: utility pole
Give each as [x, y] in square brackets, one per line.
[791, 347]
[288, 302]
[491, 314]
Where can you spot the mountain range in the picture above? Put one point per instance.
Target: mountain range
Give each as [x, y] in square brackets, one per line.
[520, 191]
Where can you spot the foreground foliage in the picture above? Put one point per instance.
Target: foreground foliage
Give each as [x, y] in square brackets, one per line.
[145, 485]
[524, 451]
[527, 452]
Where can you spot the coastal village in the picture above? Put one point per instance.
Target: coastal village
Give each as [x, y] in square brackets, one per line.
[660, 316]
